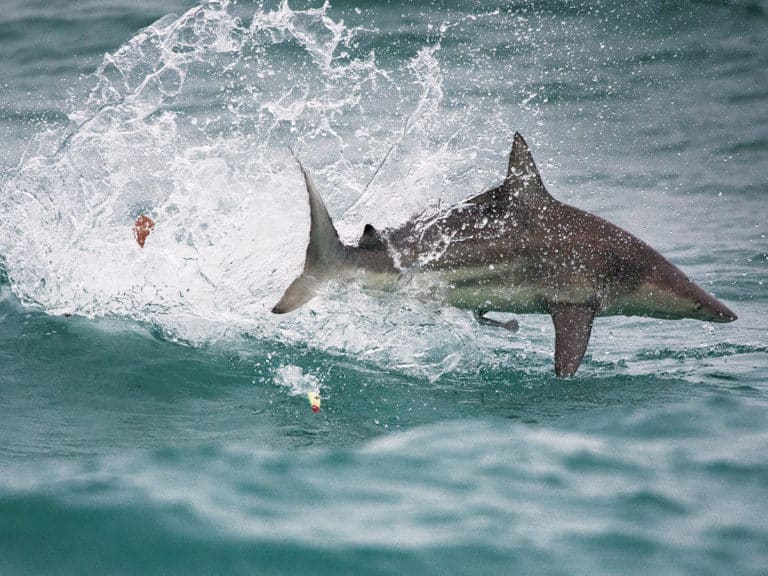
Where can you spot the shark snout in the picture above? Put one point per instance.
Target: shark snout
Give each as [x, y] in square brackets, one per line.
[706, 307]
[671, 294]
[716, 311]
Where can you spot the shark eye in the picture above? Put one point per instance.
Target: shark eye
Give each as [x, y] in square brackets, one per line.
[698, 306]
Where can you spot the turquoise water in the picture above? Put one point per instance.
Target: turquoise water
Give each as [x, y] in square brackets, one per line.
[153, 413]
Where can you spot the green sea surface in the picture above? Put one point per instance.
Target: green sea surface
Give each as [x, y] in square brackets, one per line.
[154, 415]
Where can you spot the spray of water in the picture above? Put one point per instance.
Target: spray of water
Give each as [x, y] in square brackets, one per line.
[190, 123]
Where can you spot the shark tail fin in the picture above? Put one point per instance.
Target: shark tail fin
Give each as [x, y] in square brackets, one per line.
[324, 252]
[301, 291]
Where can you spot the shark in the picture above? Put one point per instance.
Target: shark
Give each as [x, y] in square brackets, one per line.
[513, 248]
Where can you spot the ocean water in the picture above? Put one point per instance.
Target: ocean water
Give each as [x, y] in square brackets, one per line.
[154, 415]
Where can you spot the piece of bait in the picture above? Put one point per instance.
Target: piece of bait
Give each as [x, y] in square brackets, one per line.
[142, 228]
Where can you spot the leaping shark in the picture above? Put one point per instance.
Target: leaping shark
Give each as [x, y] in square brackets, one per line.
[513, 248]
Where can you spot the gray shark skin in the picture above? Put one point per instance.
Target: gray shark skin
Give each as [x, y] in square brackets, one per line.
[513, 248]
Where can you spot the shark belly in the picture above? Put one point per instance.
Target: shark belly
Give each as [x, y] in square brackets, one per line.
[504, 288]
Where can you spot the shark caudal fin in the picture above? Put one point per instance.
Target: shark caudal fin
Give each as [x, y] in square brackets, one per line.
[324, 252]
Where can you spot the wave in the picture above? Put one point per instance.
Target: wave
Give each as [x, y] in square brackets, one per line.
[405, 492]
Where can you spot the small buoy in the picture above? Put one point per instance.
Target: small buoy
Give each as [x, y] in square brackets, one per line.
[142, 228]
[314, 401]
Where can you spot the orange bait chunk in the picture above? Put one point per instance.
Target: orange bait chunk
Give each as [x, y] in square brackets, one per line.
[142, 228]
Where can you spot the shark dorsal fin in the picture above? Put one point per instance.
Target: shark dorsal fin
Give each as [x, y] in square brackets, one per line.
[523, 181]
[371, 239]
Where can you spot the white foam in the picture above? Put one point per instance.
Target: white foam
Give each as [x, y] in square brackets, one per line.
[296, 381]
[189, 123]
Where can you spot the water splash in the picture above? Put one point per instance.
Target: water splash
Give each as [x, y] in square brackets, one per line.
[189, 123]
[296, 381]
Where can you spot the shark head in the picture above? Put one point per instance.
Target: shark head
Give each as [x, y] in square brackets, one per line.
[669, 294]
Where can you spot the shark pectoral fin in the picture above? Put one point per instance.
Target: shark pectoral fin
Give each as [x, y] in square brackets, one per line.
[301, 291]
[573, 326]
